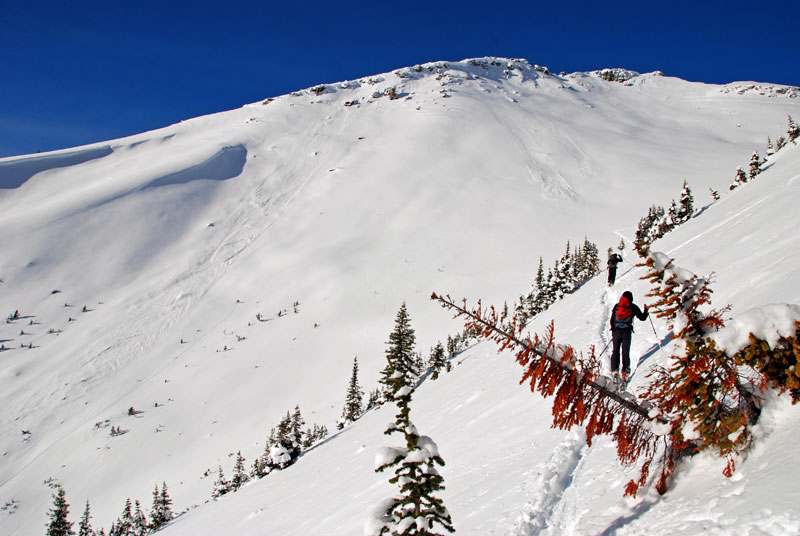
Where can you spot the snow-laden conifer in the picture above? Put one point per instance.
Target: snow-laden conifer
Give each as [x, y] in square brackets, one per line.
[139, 525]
[417, 511]
[222, 485]
[755, 166]
[685, 205]
[161, 512]
[240, 476]
[792, 131]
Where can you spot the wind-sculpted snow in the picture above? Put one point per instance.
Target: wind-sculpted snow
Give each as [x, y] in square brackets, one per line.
[226, 164]
[15, 171]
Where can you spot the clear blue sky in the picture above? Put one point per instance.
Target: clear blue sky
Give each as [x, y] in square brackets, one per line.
[94, 71]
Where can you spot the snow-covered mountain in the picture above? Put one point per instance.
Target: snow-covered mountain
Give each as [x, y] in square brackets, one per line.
[138, 267]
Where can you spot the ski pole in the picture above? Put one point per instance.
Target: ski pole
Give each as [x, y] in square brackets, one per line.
[655, 333]
[605, 348]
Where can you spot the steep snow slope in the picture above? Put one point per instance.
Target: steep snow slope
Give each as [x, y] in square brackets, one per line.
[338, 198]
[507, 472]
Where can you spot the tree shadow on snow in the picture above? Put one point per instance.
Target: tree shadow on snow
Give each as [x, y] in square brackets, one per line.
[637, 511]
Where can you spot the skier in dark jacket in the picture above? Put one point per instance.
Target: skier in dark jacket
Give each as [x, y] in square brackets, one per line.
[613, 260]
[621, 329]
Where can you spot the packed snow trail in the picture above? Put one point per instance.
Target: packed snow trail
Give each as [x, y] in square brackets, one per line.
[548, 484]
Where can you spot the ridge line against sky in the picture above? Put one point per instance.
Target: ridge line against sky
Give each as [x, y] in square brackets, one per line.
[74, 75]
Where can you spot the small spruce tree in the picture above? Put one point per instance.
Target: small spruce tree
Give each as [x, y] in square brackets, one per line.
[222, 485]
[755, 166]
[685, 205]
[793, 131]
[139, 524]
[353, 403]
[85, 525]
[59, 524]
[437, 361]
[240, 476]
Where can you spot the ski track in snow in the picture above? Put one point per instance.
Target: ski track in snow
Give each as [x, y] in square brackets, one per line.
[548, 485]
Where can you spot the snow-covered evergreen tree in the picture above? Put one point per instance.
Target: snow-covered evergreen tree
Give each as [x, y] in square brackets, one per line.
[139, 524]
[755, 166]
[770, 148]
[354, 399]
[375, 398]
[793, 131]
[563, 282]
[124, 525]
[650, 228]
[222, 485]
[313, 435]
[259, 467]
[59, 524]
[589, 260]
[400, 355]
[741, 176]
[417, 511]
[85, 525]
[161, 512]
[438, 361]
[240, 476]
[685, 205]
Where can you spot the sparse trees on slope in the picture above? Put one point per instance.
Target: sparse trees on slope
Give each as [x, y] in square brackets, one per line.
[59, 524]
[353, 403]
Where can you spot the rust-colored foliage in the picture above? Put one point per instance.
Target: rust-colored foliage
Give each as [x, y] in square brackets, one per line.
[571, 379]
[780, 365]
[704, 400]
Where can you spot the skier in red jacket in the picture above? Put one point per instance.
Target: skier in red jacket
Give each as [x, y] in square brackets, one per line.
[621, 329]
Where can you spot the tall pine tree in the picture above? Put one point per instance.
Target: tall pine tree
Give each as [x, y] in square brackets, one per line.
[417, 511]
[400, 356]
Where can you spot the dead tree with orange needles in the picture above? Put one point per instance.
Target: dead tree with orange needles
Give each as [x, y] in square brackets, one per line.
[581, 395]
